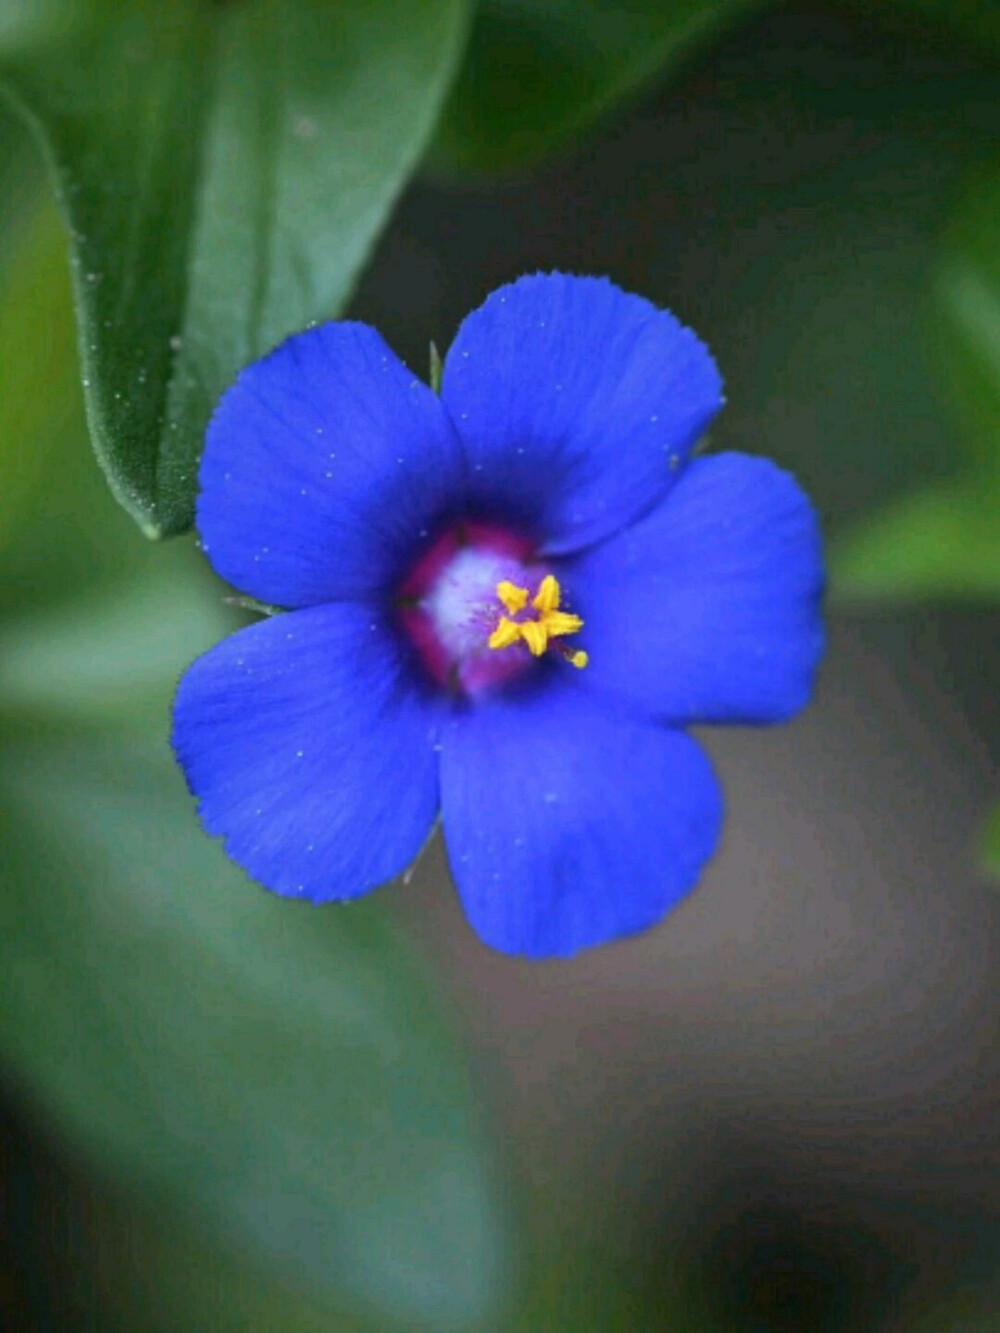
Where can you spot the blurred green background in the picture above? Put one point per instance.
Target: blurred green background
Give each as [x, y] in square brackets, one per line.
[776, 1111]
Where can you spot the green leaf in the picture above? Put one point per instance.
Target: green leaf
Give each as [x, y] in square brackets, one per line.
[61, 535]
[944, 541]
[39, 401]
[152, 1272]
[277, 1072]
[538, 72]
[223, 170]
[111, 656]
[991, 844]
[964, 332]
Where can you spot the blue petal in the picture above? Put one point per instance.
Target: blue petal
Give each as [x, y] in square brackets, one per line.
[323, 465]
[574, 402]
[709, 608]
[568, 826]
[310, 752]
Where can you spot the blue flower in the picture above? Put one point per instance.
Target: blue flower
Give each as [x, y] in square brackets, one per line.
[506, 603]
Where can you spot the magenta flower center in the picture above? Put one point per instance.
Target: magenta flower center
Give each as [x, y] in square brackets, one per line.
[449, 606]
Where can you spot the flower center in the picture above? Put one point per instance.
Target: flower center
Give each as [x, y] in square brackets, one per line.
[550, 622]
[467, 609]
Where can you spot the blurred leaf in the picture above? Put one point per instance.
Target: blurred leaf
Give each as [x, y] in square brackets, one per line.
[145, 1268]
[964, 333]
[536, 72]
[21, 180]
[138, 1265]
[944, 541]
[278, 1072]
[991, 844]
[224, 170]
[39, 398]
[111, 658]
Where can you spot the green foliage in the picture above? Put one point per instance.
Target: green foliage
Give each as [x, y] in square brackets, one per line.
[964, 333]
[539, 71]
[224, 170]
[944, 541]
[278, 1073]
[35, 352]
[976, 21]
[277, 1080]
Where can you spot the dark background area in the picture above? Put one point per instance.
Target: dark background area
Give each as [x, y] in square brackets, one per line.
[789, 1089]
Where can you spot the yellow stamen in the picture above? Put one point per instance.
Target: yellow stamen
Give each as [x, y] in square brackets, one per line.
[506, 633]
[546, 599]
[535, 635]
[561, 622]
[514, 598]
[551, 623]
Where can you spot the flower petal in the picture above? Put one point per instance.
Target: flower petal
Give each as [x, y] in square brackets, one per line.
[568, 826]
[574, 402]
[310, 751]
[324, 464]
[708, 609]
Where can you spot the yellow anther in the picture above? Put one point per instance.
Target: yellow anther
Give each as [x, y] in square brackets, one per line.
[546, 599]
[561, 622]
[536, 633]
[514, 598]
[506, 633]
